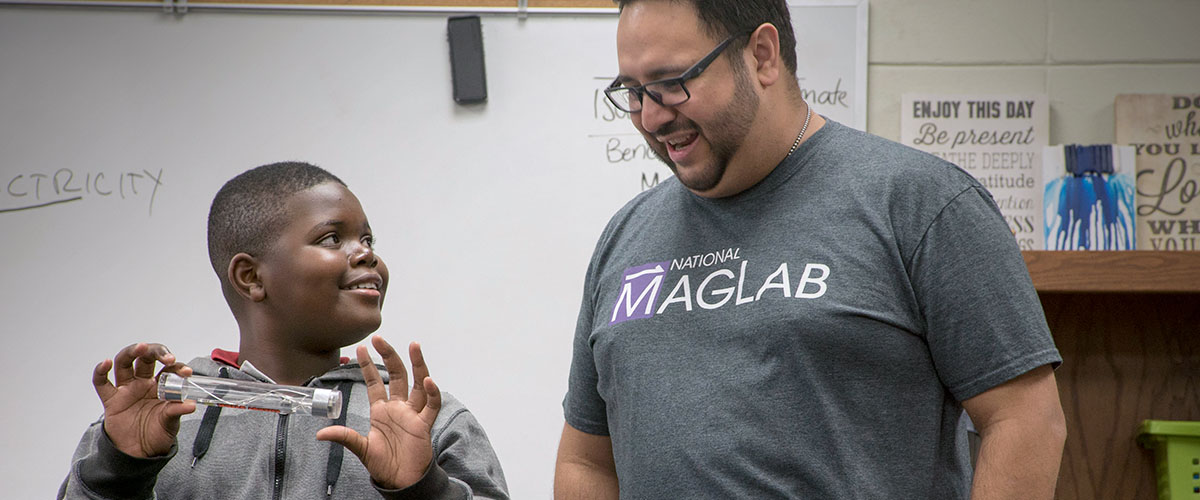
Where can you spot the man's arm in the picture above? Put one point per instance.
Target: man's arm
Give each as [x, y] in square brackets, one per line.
[585, 467]
[1022, 430]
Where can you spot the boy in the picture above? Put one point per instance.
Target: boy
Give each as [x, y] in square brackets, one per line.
[293, 251]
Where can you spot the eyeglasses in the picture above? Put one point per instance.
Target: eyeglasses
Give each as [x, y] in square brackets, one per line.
[665, 92]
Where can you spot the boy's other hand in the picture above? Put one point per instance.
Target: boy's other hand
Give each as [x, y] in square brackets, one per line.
[137, 422]
[398, 450]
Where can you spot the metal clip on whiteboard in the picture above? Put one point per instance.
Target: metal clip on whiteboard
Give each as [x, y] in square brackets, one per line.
[522, 9]
[175, 6]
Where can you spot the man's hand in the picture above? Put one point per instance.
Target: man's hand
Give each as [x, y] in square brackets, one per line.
[398, 449]
[137, 422]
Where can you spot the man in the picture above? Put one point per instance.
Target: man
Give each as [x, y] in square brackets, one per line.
[804, 310]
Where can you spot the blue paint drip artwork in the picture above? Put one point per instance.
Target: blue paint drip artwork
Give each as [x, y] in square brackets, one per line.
[1089, 205]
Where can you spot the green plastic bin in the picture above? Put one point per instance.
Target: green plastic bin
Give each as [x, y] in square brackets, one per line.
[1176, 446]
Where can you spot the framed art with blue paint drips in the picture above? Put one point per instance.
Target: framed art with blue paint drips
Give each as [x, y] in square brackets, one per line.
[1090, 194]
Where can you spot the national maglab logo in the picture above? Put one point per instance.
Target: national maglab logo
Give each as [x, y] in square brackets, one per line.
[640, 286]
[644, 283]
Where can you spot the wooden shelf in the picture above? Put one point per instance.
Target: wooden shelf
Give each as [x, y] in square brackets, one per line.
[1136, 271]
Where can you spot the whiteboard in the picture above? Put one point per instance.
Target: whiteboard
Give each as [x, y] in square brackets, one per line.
[117, 126]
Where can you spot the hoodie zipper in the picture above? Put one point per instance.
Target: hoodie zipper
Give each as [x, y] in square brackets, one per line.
[280, 454]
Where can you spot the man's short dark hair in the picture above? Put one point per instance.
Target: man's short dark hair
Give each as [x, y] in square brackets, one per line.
[722, 18]
[247, 213]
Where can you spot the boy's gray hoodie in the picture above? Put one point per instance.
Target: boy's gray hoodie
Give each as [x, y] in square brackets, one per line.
[225, 453]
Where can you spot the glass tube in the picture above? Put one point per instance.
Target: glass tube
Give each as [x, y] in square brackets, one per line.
[232, 393]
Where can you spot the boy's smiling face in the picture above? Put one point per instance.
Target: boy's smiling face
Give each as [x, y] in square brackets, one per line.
[322, 280]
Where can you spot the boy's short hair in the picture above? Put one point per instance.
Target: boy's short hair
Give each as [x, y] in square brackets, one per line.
[722, 18]
[247, 213]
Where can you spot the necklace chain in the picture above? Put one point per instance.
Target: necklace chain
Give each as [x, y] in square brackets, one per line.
[803, 129]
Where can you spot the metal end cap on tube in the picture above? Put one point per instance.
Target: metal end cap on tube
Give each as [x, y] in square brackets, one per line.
[327, 403]
[170, 387]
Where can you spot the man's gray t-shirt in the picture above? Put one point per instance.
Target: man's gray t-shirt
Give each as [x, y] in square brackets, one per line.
[810, 337]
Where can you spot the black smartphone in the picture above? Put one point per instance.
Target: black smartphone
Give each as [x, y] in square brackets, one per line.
[466, 59]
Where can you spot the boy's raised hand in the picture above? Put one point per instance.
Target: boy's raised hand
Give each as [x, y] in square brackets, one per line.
[137, 422]
[398, 449]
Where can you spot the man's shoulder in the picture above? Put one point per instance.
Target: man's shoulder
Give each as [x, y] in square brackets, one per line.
[870, 149]
[648, 205]
[667, 189]
[890, 165]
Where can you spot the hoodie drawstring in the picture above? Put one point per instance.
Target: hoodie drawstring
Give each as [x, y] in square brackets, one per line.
[207, 425]
[336, 451]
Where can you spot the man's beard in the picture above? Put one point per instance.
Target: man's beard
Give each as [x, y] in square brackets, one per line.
[725, 136]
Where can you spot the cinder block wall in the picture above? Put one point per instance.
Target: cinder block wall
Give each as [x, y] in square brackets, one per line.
[1080, 53]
